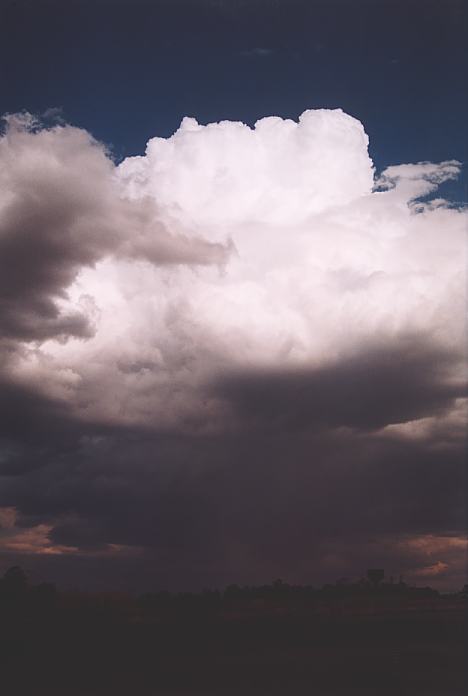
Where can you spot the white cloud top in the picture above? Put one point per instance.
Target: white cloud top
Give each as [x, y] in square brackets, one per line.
[280, 172]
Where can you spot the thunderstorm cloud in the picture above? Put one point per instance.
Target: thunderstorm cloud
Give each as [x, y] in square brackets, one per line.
[239, 314]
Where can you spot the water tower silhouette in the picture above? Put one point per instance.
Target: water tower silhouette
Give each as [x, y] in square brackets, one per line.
[375, 576]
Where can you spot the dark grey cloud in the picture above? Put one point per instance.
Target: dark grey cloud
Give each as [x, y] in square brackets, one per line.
[60, 211]
[26, 415]
[219, 509]
[288, 492]
[391, 382]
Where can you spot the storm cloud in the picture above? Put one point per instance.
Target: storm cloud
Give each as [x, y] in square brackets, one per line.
[238, 356]
[397, 382]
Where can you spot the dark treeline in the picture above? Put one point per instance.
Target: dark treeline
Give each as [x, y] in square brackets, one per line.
[21, 598]
[368, 637]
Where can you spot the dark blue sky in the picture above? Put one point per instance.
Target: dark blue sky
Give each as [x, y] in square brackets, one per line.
[131, 70]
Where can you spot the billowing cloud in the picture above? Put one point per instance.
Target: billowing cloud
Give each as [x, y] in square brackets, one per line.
[280, 172]
[240, 339]
[61, 209]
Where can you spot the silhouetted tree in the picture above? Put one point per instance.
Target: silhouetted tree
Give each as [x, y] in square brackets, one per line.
[14, 582]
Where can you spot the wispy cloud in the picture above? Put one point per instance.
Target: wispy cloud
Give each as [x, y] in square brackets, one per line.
[257, 52]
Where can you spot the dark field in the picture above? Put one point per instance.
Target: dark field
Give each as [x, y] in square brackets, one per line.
[354, 640]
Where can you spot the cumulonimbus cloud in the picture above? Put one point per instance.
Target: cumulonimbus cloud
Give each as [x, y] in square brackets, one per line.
[232, 289]
[223, 247]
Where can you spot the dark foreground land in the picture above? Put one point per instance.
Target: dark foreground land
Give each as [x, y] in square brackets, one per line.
[342, 640]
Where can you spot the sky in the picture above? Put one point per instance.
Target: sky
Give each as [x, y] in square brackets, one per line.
[233, 291]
